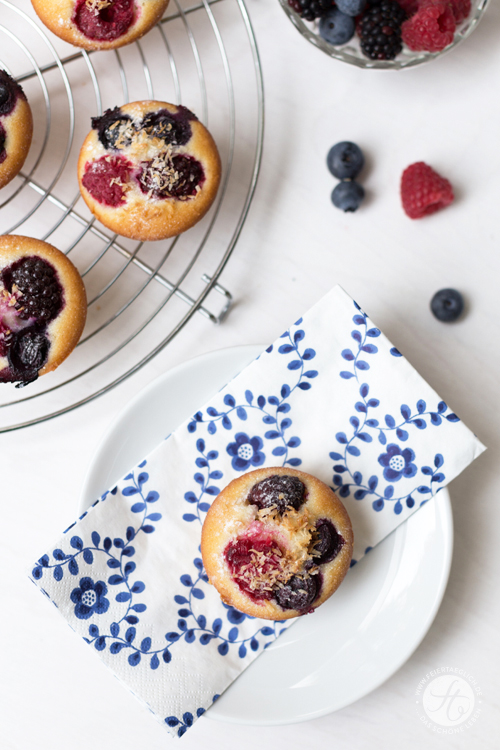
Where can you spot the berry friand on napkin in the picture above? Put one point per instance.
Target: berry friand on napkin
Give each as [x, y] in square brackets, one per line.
[331, 396]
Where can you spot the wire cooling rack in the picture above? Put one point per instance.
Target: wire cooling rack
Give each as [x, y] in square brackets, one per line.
[140, 295]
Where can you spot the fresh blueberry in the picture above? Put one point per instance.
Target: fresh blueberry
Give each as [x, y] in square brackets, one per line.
[348, 195]
[447, 305]
[337, 27]
[345, 160]
[351, 7]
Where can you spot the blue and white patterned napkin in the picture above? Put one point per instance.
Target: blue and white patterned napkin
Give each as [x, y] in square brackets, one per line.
[333, 397]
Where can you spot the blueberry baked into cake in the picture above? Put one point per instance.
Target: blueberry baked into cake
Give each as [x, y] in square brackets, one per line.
[99, 24]
[149, 170]
[276, 543]
[16, 128]
[43, 308]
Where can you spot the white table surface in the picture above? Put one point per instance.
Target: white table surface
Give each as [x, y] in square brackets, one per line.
[295, 246]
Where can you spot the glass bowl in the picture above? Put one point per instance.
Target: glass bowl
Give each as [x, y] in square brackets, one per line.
[351, 51]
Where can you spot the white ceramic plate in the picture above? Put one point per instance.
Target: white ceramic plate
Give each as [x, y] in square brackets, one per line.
[358, 638]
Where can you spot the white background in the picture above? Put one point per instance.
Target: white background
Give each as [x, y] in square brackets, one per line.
[295, 246]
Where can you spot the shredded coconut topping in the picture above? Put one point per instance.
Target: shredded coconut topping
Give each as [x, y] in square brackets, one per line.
[97, 5]
[266, 570]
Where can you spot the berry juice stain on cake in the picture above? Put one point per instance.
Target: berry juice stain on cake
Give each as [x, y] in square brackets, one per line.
[104, 20]
[30, 298]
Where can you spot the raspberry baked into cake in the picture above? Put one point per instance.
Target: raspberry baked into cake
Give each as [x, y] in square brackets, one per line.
[16, 128]
[99, 24]
[276, 543]
[43, 308]
[149, 170]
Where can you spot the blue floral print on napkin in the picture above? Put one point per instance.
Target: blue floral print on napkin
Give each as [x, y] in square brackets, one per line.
[308, 401]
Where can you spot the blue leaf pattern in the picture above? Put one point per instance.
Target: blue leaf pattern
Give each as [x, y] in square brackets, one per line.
[397, 462]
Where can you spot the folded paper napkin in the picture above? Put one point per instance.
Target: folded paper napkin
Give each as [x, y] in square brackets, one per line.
[333, 397]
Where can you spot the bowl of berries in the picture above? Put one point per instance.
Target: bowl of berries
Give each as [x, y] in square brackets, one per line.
[390, 34]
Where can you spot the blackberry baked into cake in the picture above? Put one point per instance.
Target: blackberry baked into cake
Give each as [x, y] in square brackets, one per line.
[149, 170]
[43, 307]
[99, 24]
[276, 543]
[16, 128]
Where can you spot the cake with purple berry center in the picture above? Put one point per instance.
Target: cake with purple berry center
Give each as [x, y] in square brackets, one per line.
[149, 170]
[42, 308]
[276, 543]
[100, 24]
[16, 128]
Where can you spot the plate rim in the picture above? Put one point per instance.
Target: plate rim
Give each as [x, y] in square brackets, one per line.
[445, 510]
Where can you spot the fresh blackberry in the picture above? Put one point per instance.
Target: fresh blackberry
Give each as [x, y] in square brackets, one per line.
[380, 30]
[309, 10]
[42, 295]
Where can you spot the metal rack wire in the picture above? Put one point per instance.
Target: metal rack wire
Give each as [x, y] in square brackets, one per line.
[140, 295]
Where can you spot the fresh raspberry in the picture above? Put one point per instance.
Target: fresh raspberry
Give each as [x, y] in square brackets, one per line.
[431, 28]
[424, 191]
[460, 9]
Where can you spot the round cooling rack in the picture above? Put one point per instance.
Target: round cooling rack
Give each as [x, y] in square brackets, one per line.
[140, 295]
